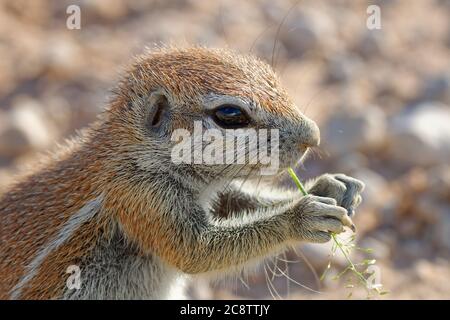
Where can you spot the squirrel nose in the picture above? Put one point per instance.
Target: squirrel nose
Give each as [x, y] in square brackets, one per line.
[311, 134]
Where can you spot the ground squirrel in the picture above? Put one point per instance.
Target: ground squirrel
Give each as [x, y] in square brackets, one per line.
[112, 202]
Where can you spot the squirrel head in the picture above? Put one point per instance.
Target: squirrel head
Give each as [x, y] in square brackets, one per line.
[170, 92]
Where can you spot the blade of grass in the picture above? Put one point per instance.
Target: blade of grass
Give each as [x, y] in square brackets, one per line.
[297, 181]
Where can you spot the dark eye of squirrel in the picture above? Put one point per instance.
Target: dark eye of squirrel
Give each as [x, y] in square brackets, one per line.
[230, 116]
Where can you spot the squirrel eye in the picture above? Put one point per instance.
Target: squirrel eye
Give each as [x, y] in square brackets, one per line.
[230, 116]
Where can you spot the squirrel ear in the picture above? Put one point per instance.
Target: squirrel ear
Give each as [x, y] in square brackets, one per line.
[159, 105]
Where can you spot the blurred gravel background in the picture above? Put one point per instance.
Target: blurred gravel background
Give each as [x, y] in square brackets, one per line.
[381, 97]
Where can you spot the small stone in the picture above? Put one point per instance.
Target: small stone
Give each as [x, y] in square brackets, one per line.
[351, 130]
[417, 180]
[409, 228]
[421, 136]
[430, 209]
[437, 88]
[442, 230]
[342, 69]
[439, 182]
[110, 10]
[305, 31]
[366, 220]
[62, 57]
[374, 193]
[28, 117]
[13, 142]
[424, 270]
[372, 44]
[414, 249]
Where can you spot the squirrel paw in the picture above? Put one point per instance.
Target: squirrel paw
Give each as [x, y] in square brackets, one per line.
[313, 218]
[344, 189]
